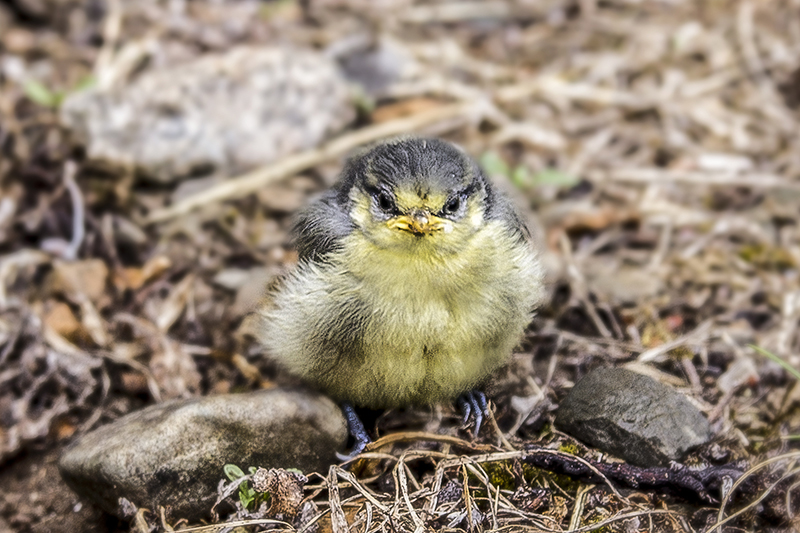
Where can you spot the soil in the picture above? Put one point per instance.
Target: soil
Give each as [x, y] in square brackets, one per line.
[652, 146]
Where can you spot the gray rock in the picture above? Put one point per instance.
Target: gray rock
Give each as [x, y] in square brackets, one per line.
[632, 416]
[172, 454]
[222, 113]
[376, 66]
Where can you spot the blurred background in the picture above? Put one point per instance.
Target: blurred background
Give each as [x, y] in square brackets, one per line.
[152, 153]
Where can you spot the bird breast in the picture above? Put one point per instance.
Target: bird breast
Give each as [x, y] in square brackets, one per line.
[382, 327]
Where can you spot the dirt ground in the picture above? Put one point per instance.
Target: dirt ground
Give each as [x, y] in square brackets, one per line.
[653, 145]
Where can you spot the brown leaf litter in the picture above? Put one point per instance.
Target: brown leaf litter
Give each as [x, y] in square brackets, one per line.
[652, 145]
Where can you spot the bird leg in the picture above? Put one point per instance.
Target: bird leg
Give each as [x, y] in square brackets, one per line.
[356, 429]
[473, 404]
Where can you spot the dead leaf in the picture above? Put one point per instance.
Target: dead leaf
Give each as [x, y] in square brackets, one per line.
[62, 345]
[404, 108]
[173, 306]
[62, 320]
[155, 266]
[249, 371]
[282, 198]
[126, 354]
[623, 284]
[175, 371]
[63, 429]
[598, 219]
[220, 387]
[134, 278]
[232, 278]
[742, 372]
[19, 41]
[133, 382]
[94, 323]
[127, 231]
[285, 489]
[128, 278]
[75, 278]
[11, 264]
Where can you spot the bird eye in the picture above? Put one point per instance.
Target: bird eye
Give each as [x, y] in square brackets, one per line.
[452, 205]
[385, 201]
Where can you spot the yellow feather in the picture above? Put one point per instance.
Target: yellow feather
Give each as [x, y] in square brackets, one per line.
[436, 315]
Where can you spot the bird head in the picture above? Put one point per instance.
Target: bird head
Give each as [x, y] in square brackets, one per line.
[416, 193]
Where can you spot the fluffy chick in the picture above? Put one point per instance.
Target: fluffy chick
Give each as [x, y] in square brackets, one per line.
[416, 280]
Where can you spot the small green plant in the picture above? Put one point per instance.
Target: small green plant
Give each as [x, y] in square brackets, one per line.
[521, 177]
[38, 93]
[552, 176]
[45, 97]
[250, 498]
[270, 10]
[494, 164]
[793, 371]
[786, 366]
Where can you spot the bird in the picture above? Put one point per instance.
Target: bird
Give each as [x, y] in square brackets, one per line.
[416, 279]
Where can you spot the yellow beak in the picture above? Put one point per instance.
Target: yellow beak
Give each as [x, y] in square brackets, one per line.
[418, 223]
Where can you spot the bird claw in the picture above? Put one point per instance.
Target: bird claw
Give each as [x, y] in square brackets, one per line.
[474, 405]
[356, 429]
[358, 447]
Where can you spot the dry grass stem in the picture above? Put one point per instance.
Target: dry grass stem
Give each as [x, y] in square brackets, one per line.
[652, 147]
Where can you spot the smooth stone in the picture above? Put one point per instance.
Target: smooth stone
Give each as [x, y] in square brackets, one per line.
[172, 454]
[633, 417]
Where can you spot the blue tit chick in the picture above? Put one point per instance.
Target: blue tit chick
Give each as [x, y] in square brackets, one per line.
[416, 279]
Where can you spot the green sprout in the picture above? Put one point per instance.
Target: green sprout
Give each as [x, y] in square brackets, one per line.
[784, 364]
[250, 498]
[38, 93]
[494, 165]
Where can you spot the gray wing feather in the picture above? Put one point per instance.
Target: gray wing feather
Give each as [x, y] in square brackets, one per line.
[319, 228]
[500, 207]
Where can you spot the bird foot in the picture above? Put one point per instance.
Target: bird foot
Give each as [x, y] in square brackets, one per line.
[356, 429]
[473, 404]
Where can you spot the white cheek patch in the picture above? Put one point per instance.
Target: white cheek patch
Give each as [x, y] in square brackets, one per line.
[360, 212]
[476, 219]
[474, 213]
